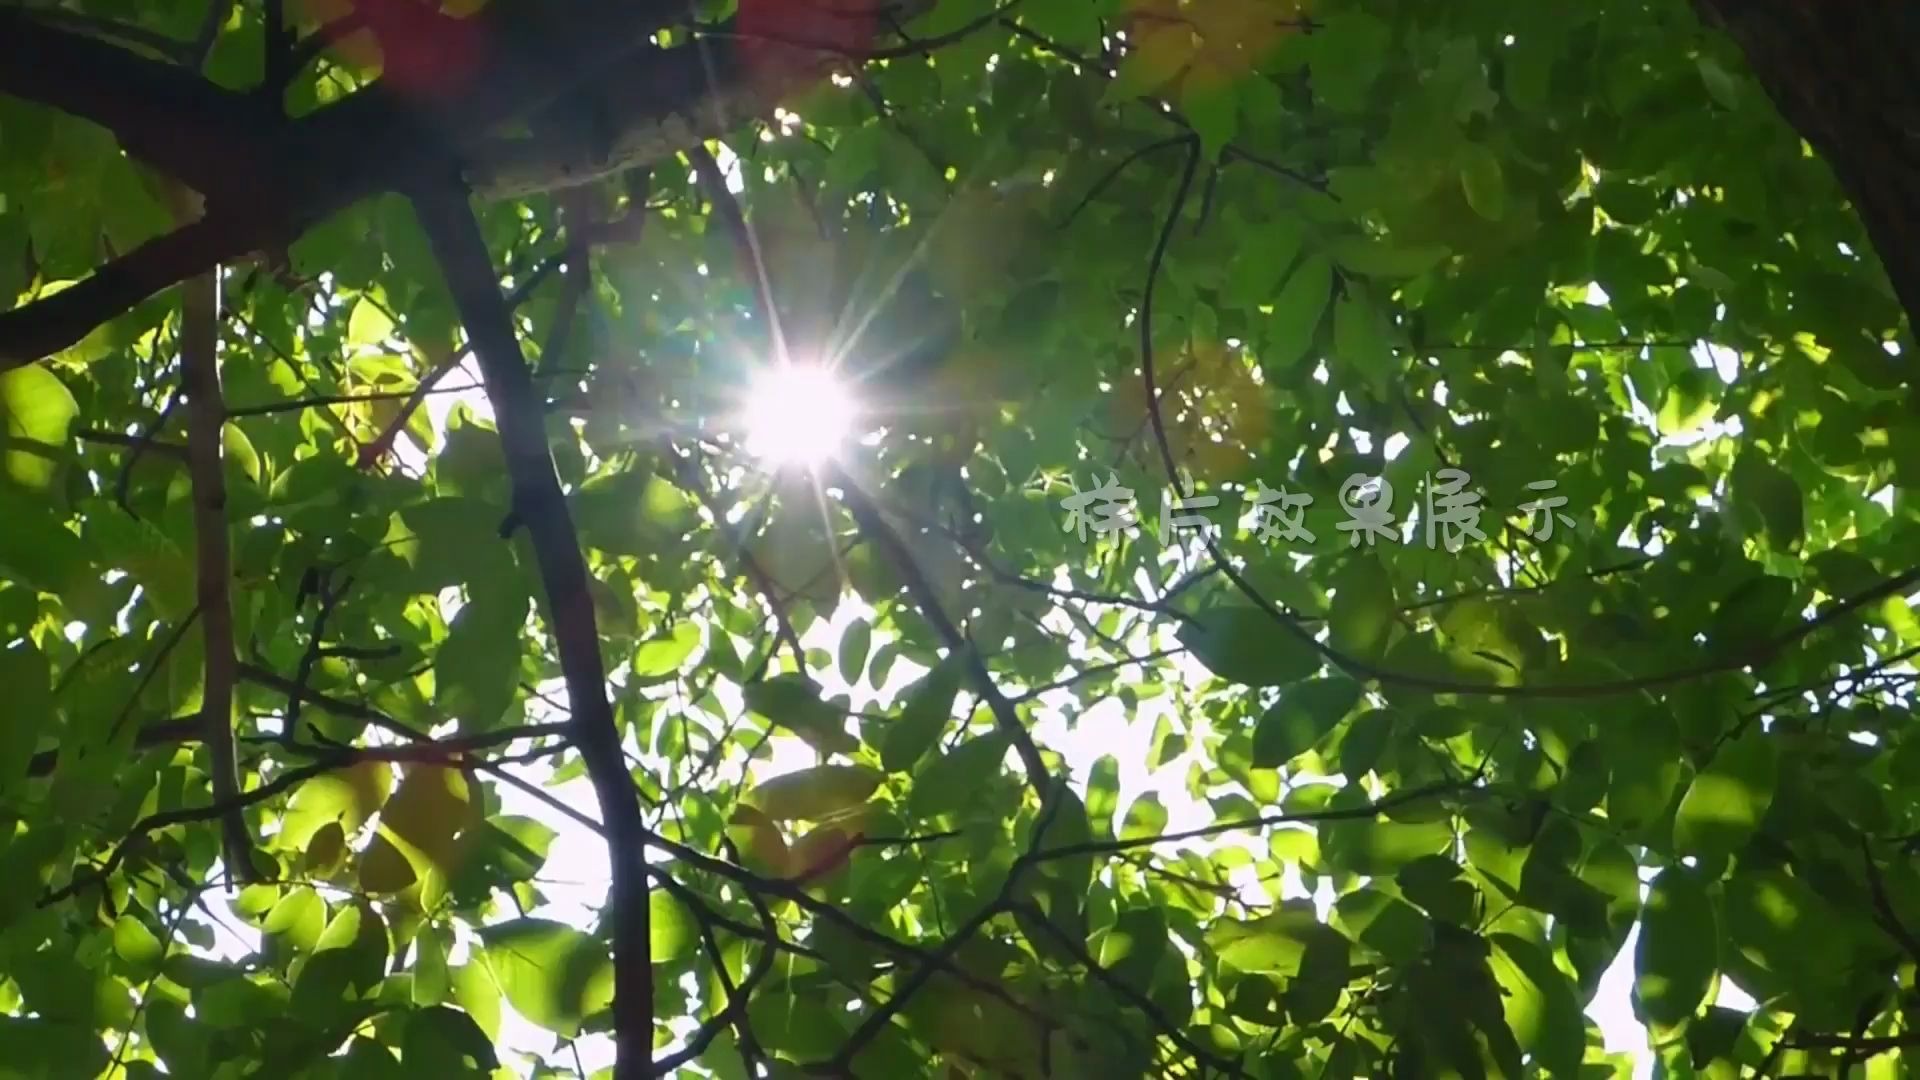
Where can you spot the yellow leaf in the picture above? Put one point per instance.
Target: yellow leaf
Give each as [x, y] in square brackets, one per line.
[763, 848]
[422, 823]
[347, 797]
[822, 854]
[815, 794]
[36, 411]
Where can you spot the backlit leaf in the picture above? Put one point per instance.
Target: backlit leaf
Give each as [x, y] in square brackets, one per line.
[1677, 953]
[1727, 799]
[36, 414]
[551, 973]
[815, 794]
[1243, 644]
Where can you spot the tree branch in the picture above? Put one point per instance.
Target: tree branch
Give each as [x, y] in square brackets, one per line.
[1365, 812]
[456, 241]
[1841, 75]
[373, 452]
[875, 528]
[443, 752]
[213, 567]
[183, 729]
[52, 323]
[163, 113]
[1202, 1056]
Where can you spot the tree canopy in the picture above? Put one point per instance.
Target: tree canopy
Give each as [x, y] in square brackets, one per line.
[1348, 509]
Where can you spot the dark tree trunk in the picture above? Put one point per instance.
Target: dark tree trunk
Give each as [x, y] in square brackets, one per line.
[1846, 75]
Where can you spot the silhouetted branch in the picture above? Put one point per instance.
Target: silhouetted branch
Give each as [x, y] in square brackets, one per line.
[875, 528]
[213, 563]
[542, 508]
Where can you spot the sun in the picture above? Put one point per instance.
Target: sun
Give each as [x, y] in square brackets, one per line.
[797, 414]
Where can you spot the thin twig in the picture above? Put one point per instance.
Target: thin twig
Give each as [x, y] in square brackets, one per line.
[148, 440]
[382, 444]
[449, 752]
[137, 443]
[329, 598]
[875, 528]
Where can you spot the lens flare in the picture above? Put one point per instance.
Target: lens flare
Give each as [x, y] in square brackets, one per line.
[797, 414]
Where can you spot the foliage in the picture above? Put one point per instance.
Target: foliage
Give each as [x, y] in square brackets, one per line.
[1392, 805]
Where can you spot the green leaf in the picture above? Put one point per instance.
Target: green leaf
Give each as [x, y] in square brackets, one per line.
[1143, 72]
[1214, 111]
[816, 794]
[855, 643]
[957, 779]
[793, 702]
[1069, 22]
[1689, 402]
[1482, 181]
[803, 1027]
[1145, 818]
[1643, 747]
[478, 995]
[477, 668]
[552, 974]
[369, 324]
[36, 415]
[1301, 717]
[1378, 848]
[439, 1041]
[1269, 255]
[665, 655]
[1276, 944]
[1724, 804]
[35, 548]
[675, 934]
[449, 541]
[926, 713]
[1770, 493]
[1784, 938]
[1347, 53]
[137, 947]
[1365, 741]
[1540, 1006]
[27, 710]
[432, 979]
[1359, 339]
[632, 513]
[420, 824]
[1678, 948]
[1243, 644]
[1720, 84]
[1297, 313]
[1384, 923]
[1131, 949]
[298, 919]
[1360, 619]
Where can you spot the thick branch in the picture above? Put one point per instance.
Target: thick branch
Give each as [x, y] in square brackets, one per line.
[213, 567]
[598, 95]
[57, 322]
[1842, 75]
[541, 506]
[163, 113]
